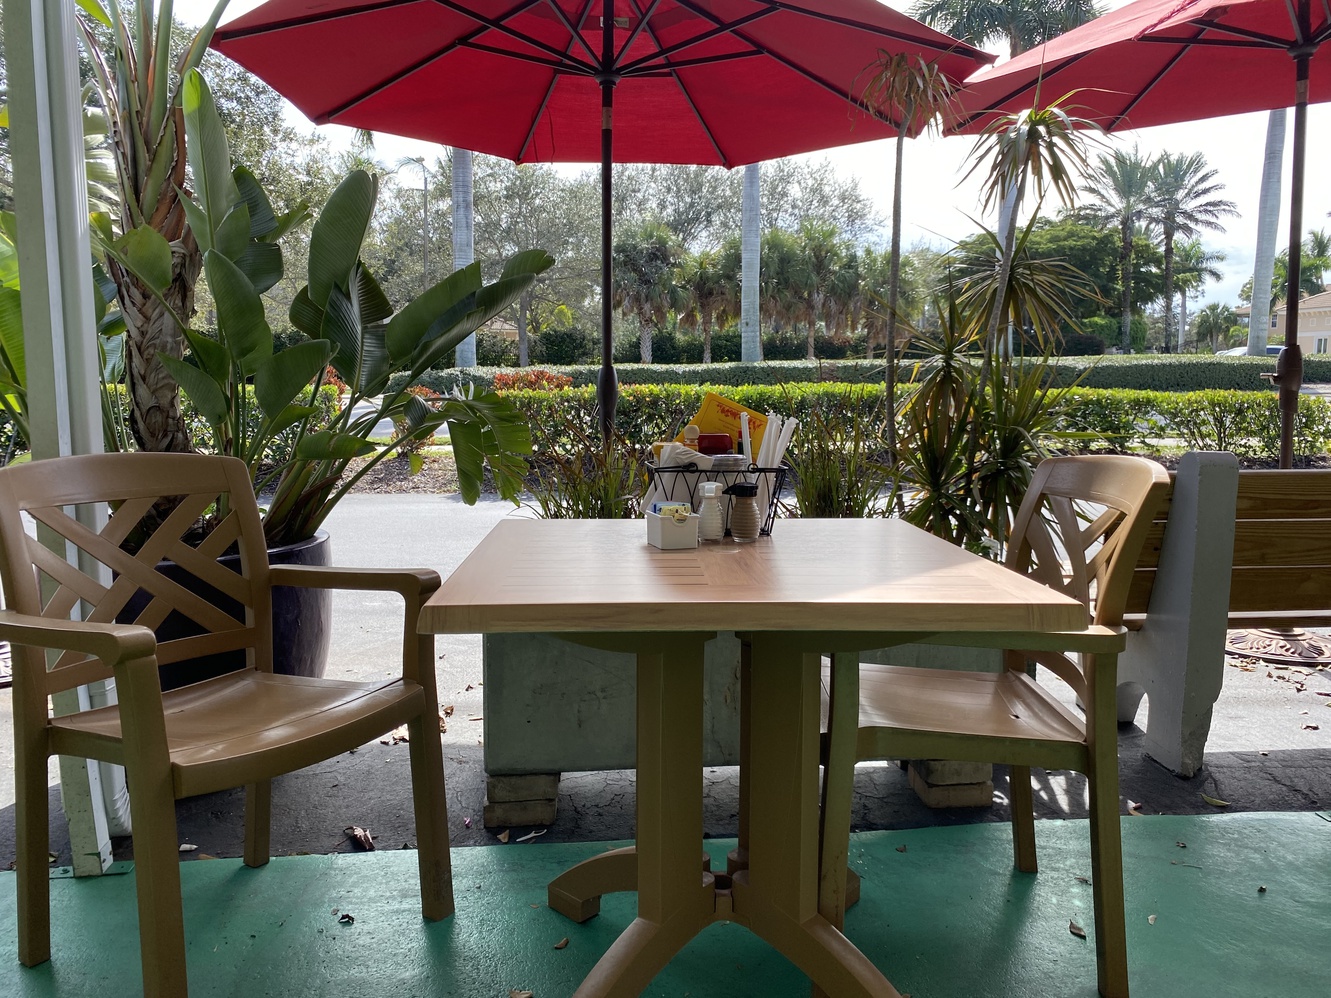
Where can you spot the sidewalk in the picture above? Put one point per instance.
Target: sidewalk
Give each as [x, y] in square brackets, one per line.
[1260, 756]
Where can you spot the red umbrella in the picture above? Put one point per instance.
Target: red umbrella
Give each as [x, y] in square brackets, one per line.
[1155, 62]
[724, 82]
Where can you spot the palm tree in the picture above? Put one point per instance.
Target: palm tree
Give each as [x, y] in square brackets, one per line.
[1120, 191]
[1316, 255]
[785, 278]
[1194, 265]
[1183, 202]
[646, 259]
[707, 295]
[917, 94]
[1214, 322]
[1022, 23]
[1268, 218]
[823, 251]
[140, 88]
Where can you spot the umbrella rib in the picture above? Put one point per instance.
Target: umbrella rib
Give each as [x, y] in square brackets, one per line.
[957, 47]
[643, 17]
[667, 69]
[575, 32]
[697, 40]
[1045, 74]
[498, 25]
[227, 34]
[576, 69]
[725, 160]
[1141, 94]
[1270, 41]
[402, 74]
[1229, 43]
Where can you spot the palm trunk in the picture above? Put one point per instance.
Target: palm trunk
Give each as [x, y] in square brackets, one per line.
[751, 344]
[893, 298]
[706, 337]
[464, 249]
[1182, 317]
[1268, 220]
[1125, 279]
[645, 342]
[1169, 291]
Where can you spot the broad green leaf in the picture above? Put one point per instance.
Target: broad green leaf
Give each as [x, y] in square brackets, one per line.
[201, 389]
[11, 333]
[341, 327]
[338, 233]
[208, 153]
[465, 436]
[262, 264]
[415, 462]
[305, 315]
[374, 365]
[9, 226]
[209, 355]
[280, 378]
[408, 327]
[289, 417]
[534, 262]
[4, 115]
[262, 219]
[327, 445]
[240, 316]
[374, 304]
[197, 219]
[147, 254]
[298, 215]
[113, 359]
[233, 236]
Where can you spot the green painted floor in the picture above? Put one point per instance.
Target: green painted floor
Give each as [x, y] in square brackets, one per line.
[946, 918]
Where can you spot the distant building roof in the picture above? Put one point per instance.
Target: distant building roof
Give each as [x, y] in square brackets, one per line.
[1310, 303]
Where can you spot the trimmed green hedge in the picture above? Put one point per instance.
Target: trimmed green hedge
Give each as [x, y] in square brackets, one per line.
[1187, 373]
[1247, 423]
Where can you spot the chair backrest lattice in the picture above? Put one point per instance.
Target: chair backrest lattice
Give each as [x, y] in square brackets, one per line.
[220, 609]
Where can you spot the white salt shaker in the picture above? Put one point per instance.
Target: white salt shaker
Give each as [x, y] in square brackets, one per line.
[711, 522]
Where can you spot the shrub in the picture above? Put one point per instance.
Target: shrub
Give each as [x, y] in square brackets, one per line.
[493, 350]
[570, 345]
[531, 378]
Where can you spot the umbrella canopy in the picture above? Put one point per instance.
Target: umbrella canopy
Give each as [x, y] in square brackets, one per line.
[1156, 62]
[711, 82]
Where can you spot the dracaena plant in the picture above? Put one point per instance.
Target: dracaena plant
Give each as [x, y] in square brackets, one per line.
[261, 403]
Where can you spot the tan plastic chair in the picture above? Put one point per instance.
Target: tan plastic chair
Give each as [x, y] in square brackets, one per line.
[1080, 530]
[240, 729]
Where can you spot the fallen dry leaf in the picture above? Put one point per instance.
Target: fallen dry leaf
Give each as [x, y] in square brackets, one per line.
[533, 835]
[360, 836]
[477, 717]
[346, 918]
[469, 688]
[187, 847]
[1181, 845]
[466, 822]
[448, 711]
[1312, 727]
[1084, 880]
[1262, 889]
[503, 836]
[1134, 808]
[562, 943]
[398, 734]
[1215, 802]
[1150, 919]
[519, 994]
[1076, 930]
[901, 848]
[443, 724]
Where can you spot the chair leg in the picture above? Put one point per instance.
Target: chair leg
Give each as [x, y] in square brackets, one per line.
[431, 806]
[157, 883]
[258, 823]
[1111, 944]
[838, 786]
[1022, 802]
[32, 842]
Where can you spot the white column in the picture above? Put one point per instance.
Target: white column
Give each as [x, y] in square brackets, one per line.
[1268, 220]
[751, 345]
[51, 208]
[464, 243]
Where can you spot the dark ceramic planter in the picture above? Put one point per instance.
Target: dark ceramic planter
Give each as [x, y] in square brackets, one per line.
[302, 618]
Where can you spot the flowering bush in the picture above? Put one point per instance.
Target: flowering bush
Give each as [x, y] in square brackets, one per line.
[531, 378]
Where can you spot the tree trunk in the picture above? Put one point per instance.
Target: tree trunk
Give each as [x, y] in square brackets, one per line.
[464, 248]
[1182, 317]
[706, 337]
[154, 410]
[813, 329]
[645, 341]
[751, 344]
[524, 306]
[1169, 292]
[893, 297]
[1125, 279]
[1268, 220]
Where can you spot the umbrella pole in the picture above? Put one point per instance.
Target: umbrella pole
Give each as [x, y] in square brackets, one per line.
[607, 385]
[1289, 365]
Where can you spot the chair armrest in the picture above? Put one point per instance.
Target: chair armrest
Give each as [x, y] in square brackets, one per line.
[112, 643]
[407, 581]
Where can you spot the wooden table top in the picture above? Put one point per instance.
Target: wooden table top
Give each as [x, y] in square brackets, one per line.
[813, 575]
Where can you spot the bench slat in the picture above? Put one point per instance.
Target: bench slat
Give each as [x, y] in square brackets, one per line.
[1274, 495]
[1282, 542]
[1266, 589]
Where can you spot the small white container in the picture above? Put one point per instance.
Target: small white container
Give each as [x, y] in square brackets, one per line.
[669, 534]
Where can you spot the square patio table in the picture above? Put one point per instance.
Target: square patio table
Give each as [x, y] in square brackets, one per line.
[815, 586]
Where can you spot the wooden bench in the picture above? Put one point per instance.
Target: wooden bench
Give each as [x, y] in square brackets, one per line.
[1233, 549]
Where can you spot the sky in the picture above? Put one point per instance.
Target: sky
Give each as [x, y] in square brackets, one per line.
[939, 208]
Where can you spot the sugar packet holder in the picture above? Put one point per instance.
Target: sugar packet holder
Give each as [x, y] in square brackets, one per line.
[672, 526]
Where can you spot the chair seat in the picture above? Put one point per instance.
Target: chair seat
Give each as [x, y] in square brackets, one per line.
[228, 724]
[1003, 705]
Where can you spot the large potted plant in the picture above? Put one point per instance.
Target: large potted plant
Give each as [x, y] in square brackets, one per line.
[271, 407]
